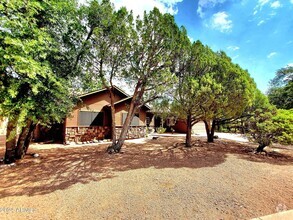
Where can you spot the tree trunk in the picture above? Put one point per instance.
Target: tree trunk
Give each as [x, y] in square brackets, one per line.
[188, 132]
[260, 148]
[135, 102]
[24, 140]
[210, 130]
[11, 137]
[29, 137]
[117, 146]
[113, 123]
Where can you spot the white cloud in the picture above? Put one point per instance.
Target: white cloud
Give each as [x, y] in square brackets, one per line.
[260, 5]
[191, 39]
[204, 4]
[221, 22]
[276, 4]
[234, 48]
[138, 7]
[291, 1]
[271, 55]
[263, 2]
[290, 64]
[260, 23]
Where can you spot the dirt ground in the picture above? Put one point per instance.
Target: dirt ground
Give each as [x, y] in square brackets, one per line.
[155, 179]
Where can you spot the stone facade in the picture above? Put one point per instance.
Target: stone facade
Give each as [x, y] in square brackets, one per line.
[86, 134]
[133, 132]
[90, 134]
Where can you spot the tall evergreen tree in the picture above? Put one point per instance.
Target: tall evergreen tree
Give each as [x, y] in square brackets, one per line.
[109, 47]
[34, 88]
[150, 60]
[281, 88]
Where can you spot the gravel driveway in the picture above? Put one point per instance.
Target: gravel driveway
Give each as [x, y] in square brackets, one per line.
[158, 179]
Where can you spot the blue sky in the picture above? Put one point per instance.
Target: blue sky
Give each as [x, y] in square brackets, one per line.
[256, 34]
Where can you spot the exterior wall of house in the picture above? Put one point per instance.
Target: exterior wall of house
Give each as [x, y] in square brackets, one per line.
[122, 108]
[3, 125]
[94, 102]
[181, 127]
[99, 102]
[199, 128]
[138, 131]
[142, 118]
[72, 120]
[2, 140]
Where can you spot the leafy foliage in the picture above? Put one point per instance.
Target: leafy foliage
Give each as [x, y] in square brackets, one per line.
[281, 88]
[51, 51]
[271, 126]
[153, 40]
[283, 126]
[33, 88]
[31, 83]
[260, 125]
[161, 130]
[211, 88]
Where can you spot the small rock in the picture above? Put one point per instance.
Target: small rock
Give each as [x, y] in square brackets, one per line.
[36, 155]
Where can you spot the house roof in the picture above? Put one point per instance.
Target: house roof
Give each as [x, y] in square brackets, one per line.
[126, 99]
[127, 96]
[102, 90]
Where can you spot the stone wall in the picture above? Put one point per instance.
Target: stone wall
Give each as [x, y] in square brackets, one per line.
[90, 134]
[86, 134]
[133, 132]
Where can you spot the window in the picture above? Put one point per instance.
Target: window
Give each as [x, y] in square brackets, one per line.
[87, 118]
[135, 120]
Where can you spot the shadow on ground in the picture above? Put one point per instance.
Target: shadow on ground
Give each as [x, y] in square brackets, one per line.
[59, 168]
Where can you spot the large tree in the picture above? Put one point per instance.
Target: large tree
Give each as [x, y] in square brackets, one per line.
[150, 61]
[229, 90]
[34, 88]
[110, 47]
[281, 88]
[211, 89]
[193, 63]
[266, 125]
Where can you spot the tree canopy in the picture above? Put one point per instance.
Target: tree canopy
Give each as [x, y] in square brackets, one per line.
[281, 88]
[33, 88]
[211, 89]
[49, 52]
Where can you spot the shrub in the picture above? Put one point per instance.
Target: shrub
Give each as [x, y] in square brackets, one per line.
[267, 127]
[161, 130]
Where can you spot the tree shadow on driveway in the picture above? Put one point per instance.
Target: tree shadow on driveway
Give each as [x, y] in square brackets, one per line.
[59, 168]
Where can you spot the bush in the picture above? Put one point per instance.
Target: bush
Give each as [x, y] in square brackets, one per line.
[267, 127]
[161, 130]
[283, 123]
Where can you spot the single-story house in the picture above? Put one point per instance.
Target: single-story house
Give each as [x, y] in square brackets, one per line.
[91, 119]
[172, 123]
